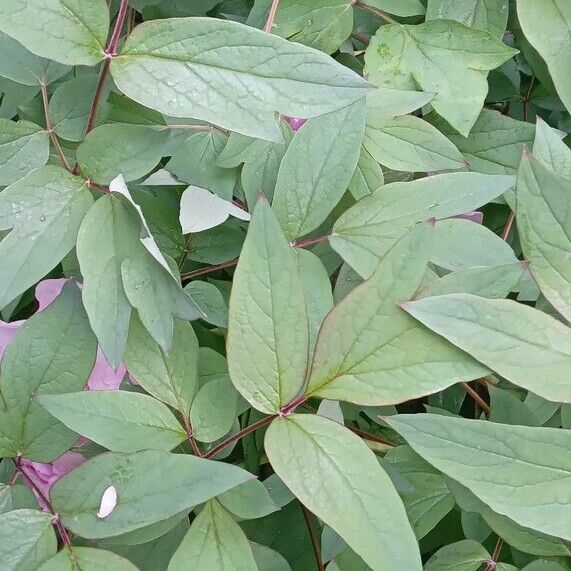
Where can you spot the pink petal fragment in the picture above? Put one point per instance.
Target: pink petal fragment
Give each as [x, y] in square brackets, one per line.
[295, 122]
[473, 216]
[7, 331]
[48, 290]
[108, 502]
[104, 377]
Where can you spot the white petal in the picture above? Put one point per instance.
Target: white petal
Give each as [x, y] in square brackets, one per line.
[201, 210]
[108, 502]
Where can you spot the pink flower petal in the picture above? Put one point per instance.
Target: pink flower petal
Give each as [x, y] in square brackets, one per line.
[104, 377]
[295, 122]
[7, 331]
[47, 291]
[108, 502]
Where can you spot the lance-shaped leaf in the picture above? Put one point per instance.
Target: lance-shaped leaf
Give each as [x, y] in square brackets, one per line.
[42, 213]
[174, 66]
[370, 353]
[120, 421]
[268, 336]
[368, 176]
[170, 377]
[87, 559]
[442, 57]
[521, 472]
[52, 353]
[69, 31]
[367, 230]
[495, 143]
[489, 15]
[214, 541]
[544, 225]
[27, 538]
[22, 66]
[24, 146]
[465, 555]
[552, 39]
[151, 486]
[399, 7]
[549, 148]
[339, 479]
[317, 169]
[526, 346]
[408, 143]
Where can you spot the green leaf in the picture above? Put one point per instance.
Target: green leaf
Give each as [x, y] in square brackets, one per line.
[70, 106]
[519, 471]
[317, 290]
[343, 484]
[195, 162]
[87, 559]
[249, 500]
[214, 541]
[526, 346]
[495, 143]
[368, 176]
[43, 210]
[552, 39]
[108, 235]
[52, 353]
[24, 147]
[461, 244]
[209, 299]
[170, 65]
[399, 7]
[15, 497]
[170, 377]
[151, 486]
[120, 421]
[22, 66]
[389, 102]
[465, 555]
[369, 352]
[544, 226]
[27, 538]
[268, 335]
[408, 143]
[491, 281]
[550, 149]
[488, 15]
[317, 168]
[320, 24]
[213, 410]
[367, 230]
[68, 31]
[507, 408]
[267, 559]
[442, 57]
[120, 148]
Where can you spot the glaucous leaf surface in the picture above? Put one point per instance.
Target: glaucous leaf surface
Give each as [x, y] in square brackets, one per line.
[267, 317]
[465, 555]
[173, 66]
[544, 225]
[120, 421]
[368, 176]
[317, 168]
[338, 478]
[519, 471]
[214, 541]
[87, 559]
[249, 500]
[526, 346]
[151, 486]
[551, 150]
[552, 39]
[53, 353]
[367, 230]
[24, 146]
[27, 538]
[442, 57]
[68, 31]
[369, 352]
[42, 213]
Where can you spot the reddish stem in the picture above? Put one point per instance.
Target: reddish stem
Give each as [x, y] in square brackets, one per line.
[313, 536]
[50, 127]
[239, 435]
[271, 16]
[477, 398]
[493, 562]
[290, 407]
[191, 439]
[508, 227]
[310, 242]
[383, 15]
[369, 436]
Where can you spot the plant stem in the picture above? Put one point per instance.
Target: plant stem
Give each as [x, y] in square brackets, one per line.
[110, 53]
[271, 16]
[313, 536]
[508, 227]
[191, 439]
[375, 11]
[371, 437]
[310, 242]
[56, 519]
[239, 435]
[50, 127]
[492, 563]
[477, 398]
[192, 127]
